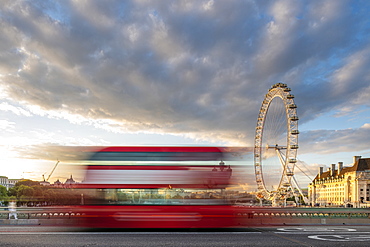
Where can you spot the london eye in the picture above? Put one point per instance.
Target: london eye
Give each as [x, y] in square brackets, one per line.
[276, 144]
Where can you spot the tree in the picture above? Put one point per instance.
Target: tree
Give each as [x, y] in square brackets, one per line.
[12, 191]
[27, 182]
[28, 192]
[3, 194]
[25, 190]
[38, 191]
[3, 191]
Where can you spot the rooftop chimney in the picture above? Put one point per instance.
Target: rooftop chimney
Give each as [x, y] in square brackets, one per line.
[332, 170]
[321, 170]
[340, 167]
[356, 158]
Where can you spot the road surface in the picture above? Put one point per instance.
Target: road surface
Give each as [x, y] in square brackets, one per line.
[273, 236]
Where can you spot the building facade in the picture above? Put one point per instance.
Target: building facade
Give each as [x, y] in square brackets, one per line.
[8, 183]
[342, 186]
[4, 181]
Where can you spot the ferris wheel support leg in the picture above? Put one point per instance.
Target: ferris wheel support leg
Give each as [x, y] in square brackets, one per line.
[305, 199]
[284, 165]
[282, 161]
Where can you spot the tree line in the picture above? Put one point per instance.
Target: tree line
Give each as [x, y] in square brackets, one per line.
[31, 193]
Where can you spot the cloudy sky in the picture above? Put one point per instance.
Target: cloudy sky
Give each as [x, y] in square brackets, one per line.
[81, 73]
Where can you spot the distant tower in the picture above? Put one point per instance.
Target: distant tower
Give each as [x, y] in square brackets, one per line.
[69, 182]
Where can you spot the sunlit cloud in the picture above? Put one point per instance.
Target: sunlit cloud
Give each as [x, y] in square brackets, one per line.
[6, 125]
[16, 110]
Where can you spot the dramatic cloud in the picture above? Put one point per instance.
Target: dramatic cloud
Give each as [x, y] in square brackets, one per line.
[331, 141]
[194, 68]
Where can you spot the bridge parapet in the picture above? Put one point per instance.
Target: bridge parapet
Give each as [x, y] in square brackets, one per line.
[247, 216]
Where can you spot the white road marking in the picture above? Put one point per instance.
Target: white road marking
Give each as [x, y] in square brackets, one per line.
[316, 229]
[341, 238]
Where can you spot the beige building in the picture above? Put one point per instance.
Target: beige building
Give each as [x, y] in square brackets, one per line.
[8, 183]
[342, 186]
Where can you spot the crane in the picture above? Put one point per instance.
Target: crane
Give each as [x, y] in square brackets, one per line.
[55, 166]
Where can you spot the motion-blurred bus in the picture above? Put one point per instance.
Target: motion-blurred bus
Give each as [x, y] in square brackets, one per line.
[159, 187]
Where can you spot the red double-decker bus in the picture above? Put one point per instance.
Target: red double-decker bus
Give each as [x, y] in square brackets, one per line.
[159, 187]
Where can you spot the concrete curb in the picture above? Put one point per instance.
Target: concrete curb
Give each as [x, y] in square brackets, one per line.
[20, 222]
[44, 222]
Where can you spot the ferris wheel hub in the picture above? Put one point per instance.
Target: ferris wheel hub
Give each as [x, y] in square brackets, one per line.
[276, 147]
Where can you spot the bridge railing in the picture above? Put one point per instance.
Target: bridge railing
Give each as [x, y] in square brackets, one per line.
[249, 212]
[271, 212]
[40, 213]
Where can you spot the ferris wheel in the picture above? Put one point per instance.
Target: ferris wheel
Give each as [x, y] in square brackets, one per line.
[276, 144]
